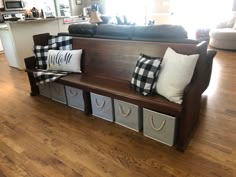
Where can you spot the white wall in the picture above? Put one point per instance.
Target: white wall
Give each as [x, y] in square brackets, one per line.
[234, 5]
[1, 48]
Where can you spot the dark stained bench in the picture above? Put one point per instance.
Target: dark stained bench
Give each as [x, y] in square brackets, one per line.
[107, 70]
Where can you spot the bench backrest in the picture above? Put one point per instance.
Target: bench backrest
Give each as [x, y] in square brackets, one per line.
[117, 58]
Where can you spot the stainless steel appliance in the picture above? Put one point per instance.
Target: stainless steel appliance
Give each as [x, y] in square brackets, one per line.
[13, 5]
[13, 16]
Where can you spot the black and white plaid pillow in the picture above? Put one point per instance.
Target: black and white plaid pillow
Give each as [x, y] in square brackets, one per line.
[145, 74]
[41, 53]
[63, 42]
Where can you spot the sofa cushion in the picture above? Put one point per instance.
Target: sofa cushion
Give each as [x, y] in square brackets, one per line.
[83, 30]
[223, 33]
[159, 31]
[230, 23]
[114, 31]
[105, 19]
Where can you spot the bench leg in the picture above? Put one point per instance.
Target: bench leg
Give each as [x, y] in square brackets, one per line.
[34, 88]
[188, 123]
[87, 103]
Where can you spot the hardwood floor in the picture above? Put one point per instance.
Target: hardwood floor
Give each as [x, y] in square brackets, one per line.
[43, 138]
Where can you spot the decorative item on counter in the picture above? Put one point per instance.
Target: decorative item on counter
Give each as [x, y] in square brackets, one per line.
[35, 12]
[28, 14]
[42, 14]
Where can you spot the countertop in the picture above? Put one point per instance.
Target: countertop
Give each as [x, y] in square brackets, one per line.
[33, 20]
[3, 26]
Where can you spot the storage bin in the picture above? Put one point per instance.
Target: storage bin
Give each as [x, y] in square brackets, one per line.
[58, 92]
[44, 90]
[75, 98]
[128, 115]
[102, 106]
[159, 127]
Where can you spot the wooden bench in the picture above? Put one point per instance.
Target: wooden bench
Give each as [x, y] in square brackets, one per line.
[107, 70]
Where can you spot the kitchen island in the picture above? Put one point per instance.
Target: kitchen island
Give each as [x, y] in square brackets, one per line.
[17, 38]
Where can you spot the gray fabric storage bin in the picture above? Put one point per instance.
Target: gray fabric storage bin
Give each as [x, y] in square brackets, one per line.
[75, 98]
[128, 115]
[44, 90]
[102, 107]
[58, 92]
[159, 126]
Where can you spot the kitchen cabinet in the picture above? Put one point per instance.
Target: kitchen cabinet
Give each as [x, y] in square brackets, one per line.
[9, 49]
[14, 34]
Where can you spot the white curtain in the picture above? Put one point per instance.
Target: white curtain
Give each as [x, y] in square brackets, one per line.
[201, 13]
[135, 10]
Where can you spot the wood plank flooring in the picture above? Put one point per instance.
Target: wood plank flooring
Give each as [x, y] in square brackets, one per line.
[43, 138]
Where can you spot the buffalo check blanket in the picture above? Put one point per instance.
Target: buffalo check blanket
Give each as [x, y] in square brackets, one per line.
[43, 76]
[55, 42]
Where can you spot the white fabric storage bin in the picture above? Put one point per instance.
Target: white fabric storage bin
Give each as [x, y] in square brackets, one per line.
[159, 126]
[102, 107]
[75, 98]
[58, 92]
[128, 115]
[44, 90]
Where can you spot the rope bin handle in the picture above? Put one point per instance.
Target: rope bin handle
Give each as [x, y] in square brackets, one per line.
[99, 106]
[122, 111]
[154, 127]
[73, 93]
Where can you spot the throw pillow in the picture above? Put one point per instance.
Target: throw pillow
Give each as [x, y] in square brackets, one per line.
[145, 73]
[230, 23]
[63, 42]
[64, 60]
[41, 53]
[175, 73]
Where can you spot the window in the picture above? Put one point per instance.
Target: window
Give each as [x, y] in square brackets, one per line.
[201, 13]
[135, 11]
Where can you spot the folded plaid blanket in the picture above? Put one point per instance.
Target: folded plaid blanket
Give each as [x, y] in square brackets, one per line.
[44, 76]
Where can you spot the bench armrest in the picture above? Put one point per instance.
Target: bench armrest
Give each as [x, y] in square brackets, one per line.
[30, 67]
[30, 63]
[192, 95]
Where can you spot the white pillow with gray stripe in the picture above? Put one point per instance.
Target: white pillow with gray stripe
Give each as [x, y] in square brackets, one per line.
[64, 60]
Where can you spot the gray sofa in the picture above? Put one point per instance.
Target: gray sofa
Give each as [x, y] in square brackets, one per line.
[155, 33]
[224, 35]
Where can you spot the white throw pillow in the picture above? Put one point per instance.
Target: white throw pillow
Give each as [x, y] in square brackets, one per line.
[175, 74]
[64, 60]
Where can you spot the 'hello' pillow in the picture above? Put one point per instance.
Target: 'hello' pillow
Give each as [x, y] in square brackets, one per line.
[64, 60]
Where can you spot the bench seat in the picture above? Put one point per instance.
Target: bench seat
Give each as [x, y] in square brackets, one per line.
[120, 89]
